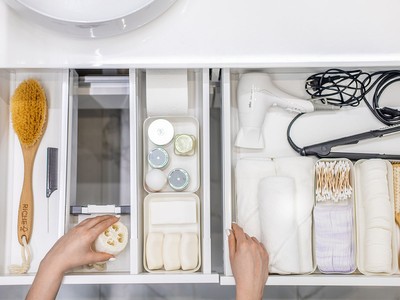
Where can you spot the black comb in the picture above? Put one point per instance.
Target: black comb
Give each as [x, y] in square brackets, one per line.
[52, 171]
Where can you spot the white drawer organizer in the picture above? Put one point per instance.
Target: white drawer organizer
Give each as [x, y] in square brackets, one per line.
[73, 104]
[309, 129]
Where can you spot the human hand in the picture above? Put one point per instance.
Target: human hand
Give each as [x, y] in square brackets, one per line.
[71, 250]
[249, 263]
[74, 249]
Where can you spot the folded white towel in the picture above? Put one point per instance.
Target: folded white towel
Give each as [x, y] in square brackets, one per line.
[249, 172]
[248, 175]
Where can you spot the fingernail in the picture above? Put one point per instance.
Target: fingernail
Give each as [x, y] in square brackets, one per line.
[112, 259]
[227, 232]
[234, 222]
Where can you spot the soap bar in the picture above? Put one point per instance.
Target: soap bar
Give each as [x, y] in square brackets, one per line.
[171, 257]
[173, 212]
[189, 251]
[154, 250]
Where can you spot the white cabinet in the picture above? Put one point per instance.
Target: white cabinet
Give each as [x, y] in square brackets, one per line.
[96, 122]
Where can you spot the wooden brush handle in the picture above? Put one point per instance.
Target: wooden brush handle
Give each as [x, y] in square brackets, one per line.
[25, 211]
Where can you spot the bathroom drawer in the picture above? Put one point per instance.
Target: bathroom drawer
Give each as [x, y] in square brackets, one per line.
[309, 129]
[102, 105]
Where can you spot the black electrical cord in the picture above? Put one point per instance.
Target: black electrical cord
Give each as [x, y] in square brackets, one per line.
[348, 88]
[289, 138]
[338, 87]
[387, 115]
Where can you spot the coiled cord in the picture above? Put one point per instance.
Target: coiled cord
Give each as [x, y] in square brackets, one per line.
[348, 88]
[338, 87]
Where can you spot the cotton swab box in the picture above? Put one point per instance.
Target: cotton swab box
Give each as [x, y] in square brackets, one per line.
[333, 180]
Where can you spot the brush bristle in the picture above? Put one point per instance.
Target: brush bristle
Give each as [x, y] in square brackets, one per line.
[29, 112]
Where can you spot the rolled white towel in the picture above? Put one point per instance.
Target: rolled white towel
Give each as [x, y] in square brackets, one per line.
[276, 196]
[301, 169]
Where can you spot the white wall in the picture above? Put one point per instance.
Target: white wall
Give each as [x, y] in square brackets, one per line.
[221, 33]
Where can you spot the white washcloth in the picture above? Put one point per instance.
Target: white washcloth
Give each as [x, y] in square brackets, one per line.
[248, 175]
[301, 169]
[334, 238]
[376, 247]
[276, 196]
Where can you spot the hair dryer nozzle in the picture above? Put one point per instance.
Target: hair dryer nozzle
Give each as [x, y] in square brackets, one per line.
[250, 137]
[321, 105]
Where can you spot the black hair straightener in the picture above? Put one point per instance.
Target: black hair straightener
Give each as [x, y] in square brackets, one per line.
[323, 150]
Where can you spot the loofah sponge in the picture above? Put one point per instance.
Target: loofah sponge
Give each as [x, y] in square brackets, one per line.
[29, 112]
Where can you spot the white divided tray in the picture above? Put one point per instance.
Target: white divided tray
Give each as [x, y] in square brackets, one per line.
[190, 163]
[160, 216]
[349, 201]
[361, 222]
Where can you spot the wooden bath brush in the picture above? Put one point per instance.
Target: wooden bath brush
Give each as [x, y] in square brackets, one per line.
[29, 116]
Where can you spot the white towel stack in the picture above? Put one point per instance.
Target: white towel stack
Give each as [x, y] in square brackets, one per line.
[378, 216]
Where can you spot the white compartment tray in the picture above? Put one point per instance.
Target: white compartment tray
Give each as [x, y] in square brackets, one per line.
[151, 223]
[190, 163]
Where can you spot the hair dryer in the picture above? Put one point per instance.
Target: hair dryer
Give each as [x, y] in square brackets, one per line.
[256, 93]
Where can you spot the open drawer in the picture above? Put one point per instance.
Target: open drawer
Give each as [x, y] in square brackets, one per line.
[309, 129]
[96, 122]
